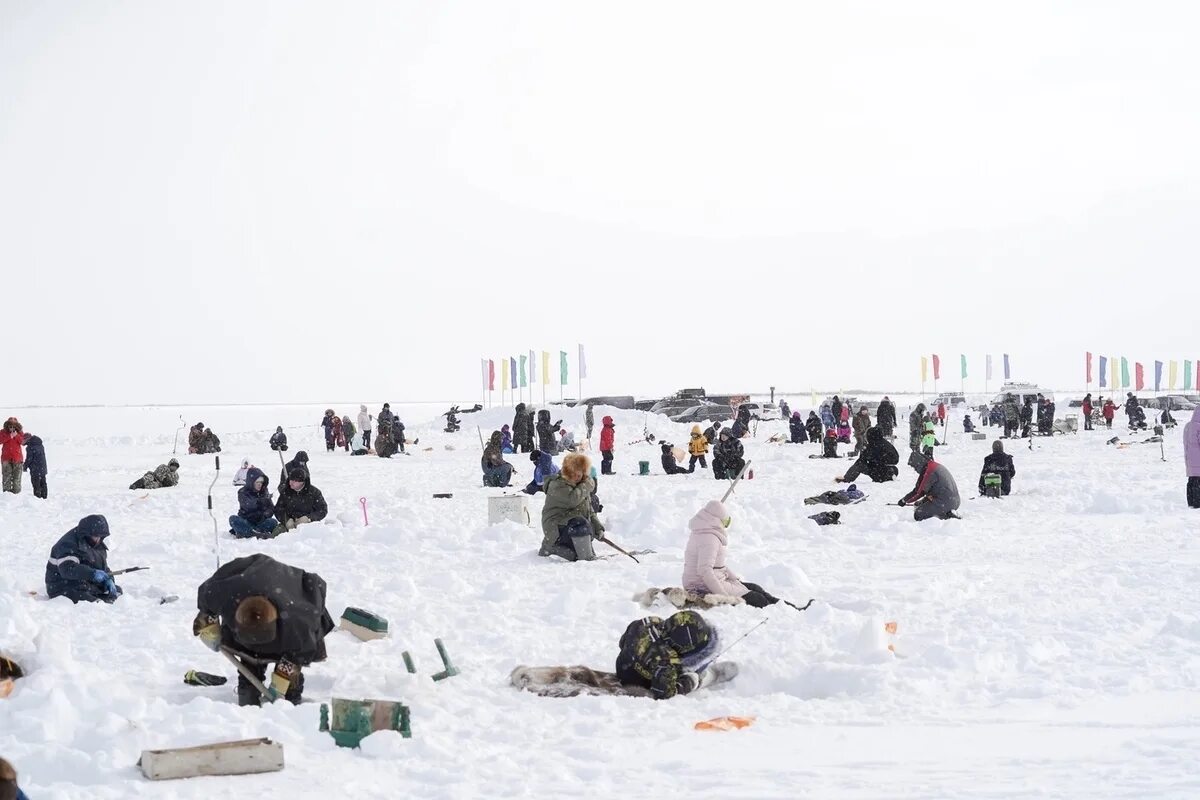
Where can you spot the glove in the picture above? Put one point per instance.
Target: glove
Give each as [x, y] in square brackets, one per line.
[208, 628]
[289, 525]
[281, 679]
[688, 681]
[302, 520]
[104, 579]
[902, 504]
[757, 599]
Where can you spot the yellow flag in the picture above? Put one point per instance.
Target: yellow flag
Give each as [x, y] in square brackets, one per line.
[503, 374]
[924, 368]
[545, 368]
[1112, 363]
[1174, 374]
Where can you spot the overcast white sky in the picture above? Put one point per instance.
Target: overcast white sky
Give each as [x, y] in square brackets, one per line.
[297, 201]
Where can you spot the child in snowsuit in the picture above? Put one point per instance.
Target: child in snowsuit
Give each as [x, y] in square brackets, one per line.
[506, 444]
[35, 464]
[668, 462]
[697, 448]
[843, 429]
[543, 468]
[607, 440]
[929, 440]
[831, 443]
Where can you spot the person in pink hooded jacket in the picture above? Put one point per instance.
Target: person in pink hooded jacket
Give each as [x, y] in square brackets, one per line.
[1191, 456]
[704, 569]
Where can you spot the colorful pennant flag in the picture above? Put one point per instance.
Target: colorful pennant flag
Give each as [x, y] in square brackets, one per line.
[1158, 365]
[1007, 374]
[504, 374]
[491, 375]
[924, 369]
[963, 359]
[1124, 372]
[562, 367]
[483, 372]
[937, 367]
[1103, 372]
[512, 368]
[1139, 376]
[582, 364]
[1089, 369]
[1187, 375]
[1173, 375]
[1112, 368]
[989, 366]
[523, 383]
[532, 369]
[545, 368]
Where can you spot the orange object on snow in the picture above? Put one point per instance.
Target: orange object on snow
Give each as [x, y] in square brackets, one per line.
[890, 627]
[725, 724]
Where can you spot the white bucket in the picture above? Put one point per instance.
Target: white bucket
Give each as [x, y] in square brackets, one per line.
[509, 508]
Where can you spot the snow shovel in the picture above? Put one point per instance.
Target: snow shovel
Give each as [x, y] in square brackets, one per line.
[248, 675]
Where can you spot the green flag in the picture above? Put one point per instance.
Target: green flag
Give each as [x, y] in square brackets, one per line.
[963, 359]
[1187, 374]
[562, 367]
[523, 384]
[1124, 373]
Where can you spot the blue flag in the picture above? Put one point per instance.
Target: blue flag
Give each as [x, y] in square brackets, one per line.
[1157, 376]
[1006, 373]
[1103, 372]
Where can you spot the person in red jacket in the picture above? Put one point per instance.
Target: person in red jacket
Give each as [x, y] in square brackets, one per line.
[12, 460]
[1109, 410]
[941, 414]
[1087, 411]
[607, 435]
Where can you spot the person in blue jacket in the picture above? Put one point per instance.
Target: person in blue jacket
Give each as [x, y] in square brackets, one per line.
[256, 511]
[78, 564]
[543, 468]
[35, 464]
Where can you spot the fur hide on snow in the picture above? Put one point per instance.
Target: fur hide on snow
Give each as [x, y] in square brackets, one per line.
[682, 598]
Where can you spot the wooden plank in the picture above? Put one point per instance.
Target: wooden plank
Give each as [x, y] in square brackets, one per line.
[245, 757]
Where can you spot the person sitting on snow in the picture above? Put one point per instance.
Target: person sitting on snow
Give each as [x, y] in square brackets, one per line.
[299, 462]
[569, 521]
[239, 477]
[163, 475]
[543, 468]
[567, 444]
[877, 461]
[78, 565]
[506, 441]
[712, 432]
[299, 501]
[496, 471]
[936, 493]
[279, 440]
[968, 425]
[256, 510]
[669, 657]
[728, 457]
[705, 570]
[264, 611]
[830, 443]
[1000, 463]
[669, 465]
[814, 428]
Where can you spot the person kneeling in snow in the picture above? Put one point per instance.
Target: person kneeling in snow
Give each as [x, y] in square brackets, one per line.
[728, 459]
[299, 501]
[669, 465]
[569, 521]
[543, 468]
[998, 463]
[78, 564]
[878, 460]
[264, 611]
[705, 572]
[669, 656]
[239, 477]
[163, 475]
[936, 493]
[256, 510]
[496, 471]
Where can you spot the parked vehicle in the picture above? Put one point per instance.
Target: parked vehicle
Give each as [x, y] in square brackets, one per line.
[762, 411]
[1020, 391]
[951, 399]
[1179, 402]
[704, 413]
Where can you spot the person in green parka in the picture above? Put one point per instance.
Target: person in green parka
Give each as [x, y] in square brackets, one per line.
[569, 521]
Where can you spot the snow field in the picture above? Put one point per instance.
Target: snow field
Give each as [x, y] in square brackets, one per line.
[1047, 644]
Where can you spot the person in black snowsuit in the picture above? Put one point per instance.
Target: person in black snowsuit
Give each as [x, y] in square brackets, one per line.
[1137, 416]
[520, 430]
[728, 457]
[796, 427]
[279, 440]
[263, 611]
[712, 432]
[815, 428]
[743, 419]
[1026, 417]
[669, 464]
[830, 443]
[835, 408]
[546, 431]
[916, 427]
[327, 424]
[885, 417]
[968, 425]
[299, 501]
[299, 462]
[384, 419]
[669, 656]
[739, 430]
[35, 464]
[78, 564]
[1000, 463]
[877, 461]
[398, 434]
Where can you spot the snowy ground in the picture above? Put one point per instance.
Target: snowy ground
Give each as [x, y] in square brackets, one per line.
[1047, 644]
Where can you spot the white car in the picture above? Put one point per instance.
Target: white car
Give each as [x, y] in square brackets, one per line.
[763, 411]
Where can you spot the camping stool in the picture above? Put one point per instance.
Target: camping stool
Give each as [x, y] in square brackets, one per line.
[991, 484]
[363, 624]
[351, 721]
[643, 468]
